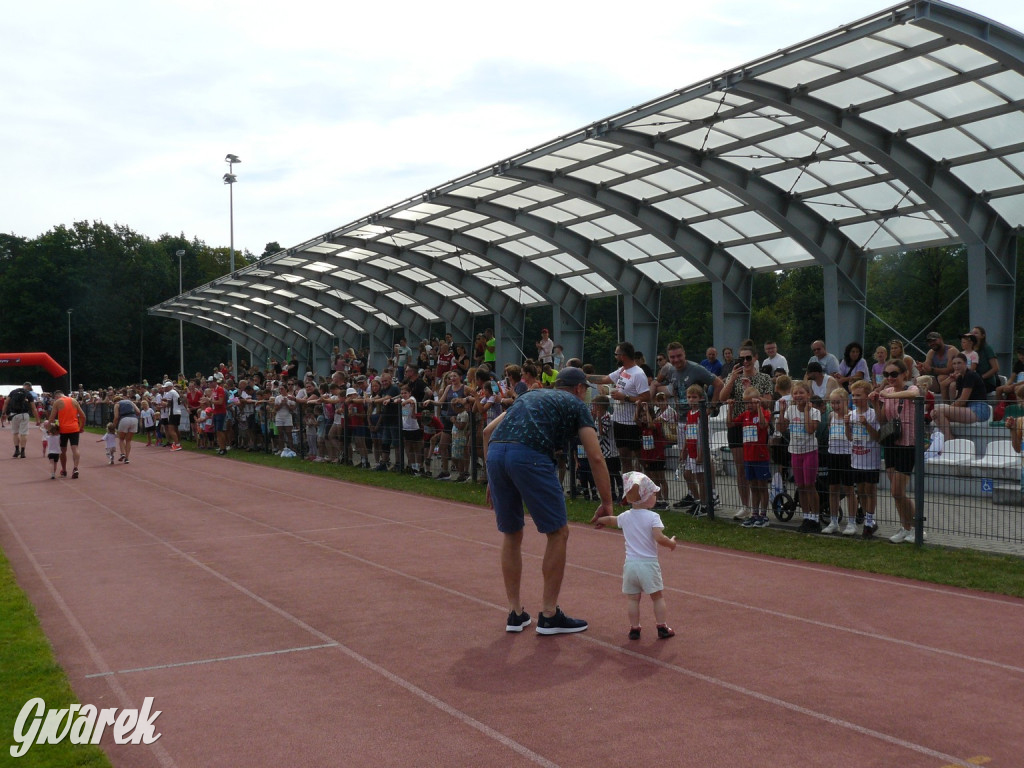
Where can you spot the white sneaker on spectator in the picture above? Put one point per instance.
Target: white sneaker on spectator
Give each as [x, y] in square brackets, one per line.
[910, 536]
[743, 514]
[850, 529]
[831, 527]
[901, 535]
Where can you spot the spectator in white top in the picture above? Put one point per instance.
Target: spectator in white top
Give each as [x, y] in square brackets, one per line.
[822, 385]
[631, 387]
[773, 358]
[545, 347]
[828, 362]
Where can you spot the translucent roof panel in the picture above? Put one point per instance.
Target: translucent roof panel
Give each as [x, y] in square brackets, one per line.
[883, 132]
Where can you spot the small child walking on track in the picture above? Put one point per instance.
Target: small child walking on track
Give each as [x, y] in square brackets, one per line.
[51, 444]
[109, 439]
[642, 529]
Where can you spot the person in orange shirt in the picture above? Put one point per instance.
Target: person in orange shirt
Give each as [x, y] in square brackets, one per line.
[70, 418]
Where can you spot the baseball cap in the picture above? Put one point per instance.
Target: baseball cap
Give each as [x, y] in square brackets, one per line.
[351, 391]
[167, 384]
[571, 377]
[933, 336]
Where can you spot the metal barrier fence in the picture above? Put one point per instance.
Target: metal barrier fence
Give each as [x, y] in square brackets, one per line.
[968, 495]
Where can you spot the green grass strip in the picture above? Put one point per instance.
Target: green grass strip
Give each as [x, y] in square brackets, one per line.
[971, 569]
[27, 671]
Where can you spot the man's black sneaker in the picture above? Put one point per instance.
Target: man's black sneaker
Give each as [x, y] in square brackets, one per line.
[17, 452]
[559, 624]
[517, 622]
[665, 632]
[634, 633]
[869, 531]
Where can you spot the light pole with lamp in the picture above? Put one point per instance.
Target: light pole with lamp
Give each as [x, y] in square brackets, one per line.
[230, 179]
[70, 386]
[181, 324]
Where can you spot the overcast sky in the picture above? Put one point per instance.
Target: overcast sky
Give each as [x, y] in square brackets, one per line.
[123, 111]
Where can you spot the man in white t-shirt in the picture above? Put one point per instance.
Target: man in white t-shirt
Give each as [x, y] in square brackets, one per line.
[773, 358]
[631, 387]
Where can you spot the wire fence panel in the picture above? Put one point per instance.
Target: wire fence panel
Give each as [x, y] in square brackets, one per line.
[965, 492]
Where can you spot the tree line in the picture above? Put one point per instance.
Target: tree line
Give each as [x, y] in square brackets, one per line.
[108, 276]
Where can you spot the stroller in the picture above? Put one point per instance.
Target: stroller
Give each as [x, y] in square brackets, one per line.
[784, 505]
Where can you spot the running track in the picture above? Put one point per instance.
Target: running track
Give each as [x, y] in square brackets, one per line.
[286, 620]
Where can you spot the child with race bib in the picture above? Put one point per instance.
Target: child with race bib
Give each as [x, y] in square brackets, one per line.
[801, 421]
[756, 458]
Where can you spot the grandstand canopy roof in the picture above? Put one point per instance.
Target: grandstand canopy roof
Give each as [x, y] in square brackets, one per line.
[899, 131]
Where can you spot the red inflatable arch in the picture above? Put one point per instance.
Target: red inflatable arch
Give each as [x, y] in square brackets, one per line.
[41, 359]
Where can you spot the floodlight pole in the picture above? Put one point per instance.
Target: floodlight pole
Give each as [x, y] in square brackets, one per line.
[230, 179]
[181, 323]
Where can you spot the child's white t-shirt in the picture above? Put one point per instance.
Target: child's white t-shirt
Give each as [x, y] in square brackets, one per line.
[638, 530]
[147, 418]
[864, 452]
[110, 441]
[799, 440]
[52, 444]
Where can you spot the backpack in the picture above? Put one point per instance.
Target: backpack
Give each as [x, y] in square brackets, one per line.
[18, 401]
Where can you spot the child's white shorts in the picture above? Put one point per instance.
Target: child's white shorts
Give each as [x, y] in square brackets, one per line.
[642, 575]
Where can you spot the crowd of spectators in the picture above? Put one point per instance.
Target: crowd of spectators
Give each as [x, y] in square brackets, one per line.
[425, 410]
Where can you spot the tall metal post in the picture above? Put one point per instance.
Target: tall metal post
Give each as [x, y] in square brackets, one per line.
[181, 325]
[230, 179]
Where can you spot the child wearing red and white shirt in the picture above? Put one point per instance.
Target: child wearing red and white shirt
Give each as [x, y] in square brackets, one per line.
[756, 459]
[692, 450]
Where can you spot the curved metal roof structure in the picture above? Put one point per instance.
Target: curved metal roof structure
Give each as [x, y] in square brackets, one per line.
[900, 131]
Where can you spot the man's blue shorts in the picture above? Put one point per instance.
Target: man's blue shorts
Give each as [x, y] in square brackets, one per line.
[518, 476]
[220, 422]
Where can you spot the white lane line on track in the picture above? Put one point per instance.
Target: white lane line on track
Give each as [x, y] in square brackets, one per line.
[420, 693]
[892, 581]
[766, 698]
[776, 702]
[696, 595]
[162, 755]
[197, 662]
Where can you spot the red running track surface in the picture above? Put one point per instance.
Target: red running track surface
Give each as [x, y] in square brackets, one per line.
[280, 619]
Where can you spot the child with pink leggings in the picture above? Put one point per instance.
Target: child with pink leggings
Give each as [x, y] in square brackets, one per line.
[801, 421]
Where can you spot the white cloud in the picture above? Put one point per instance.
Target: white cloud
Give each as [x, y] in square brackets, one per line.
[123, 111]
